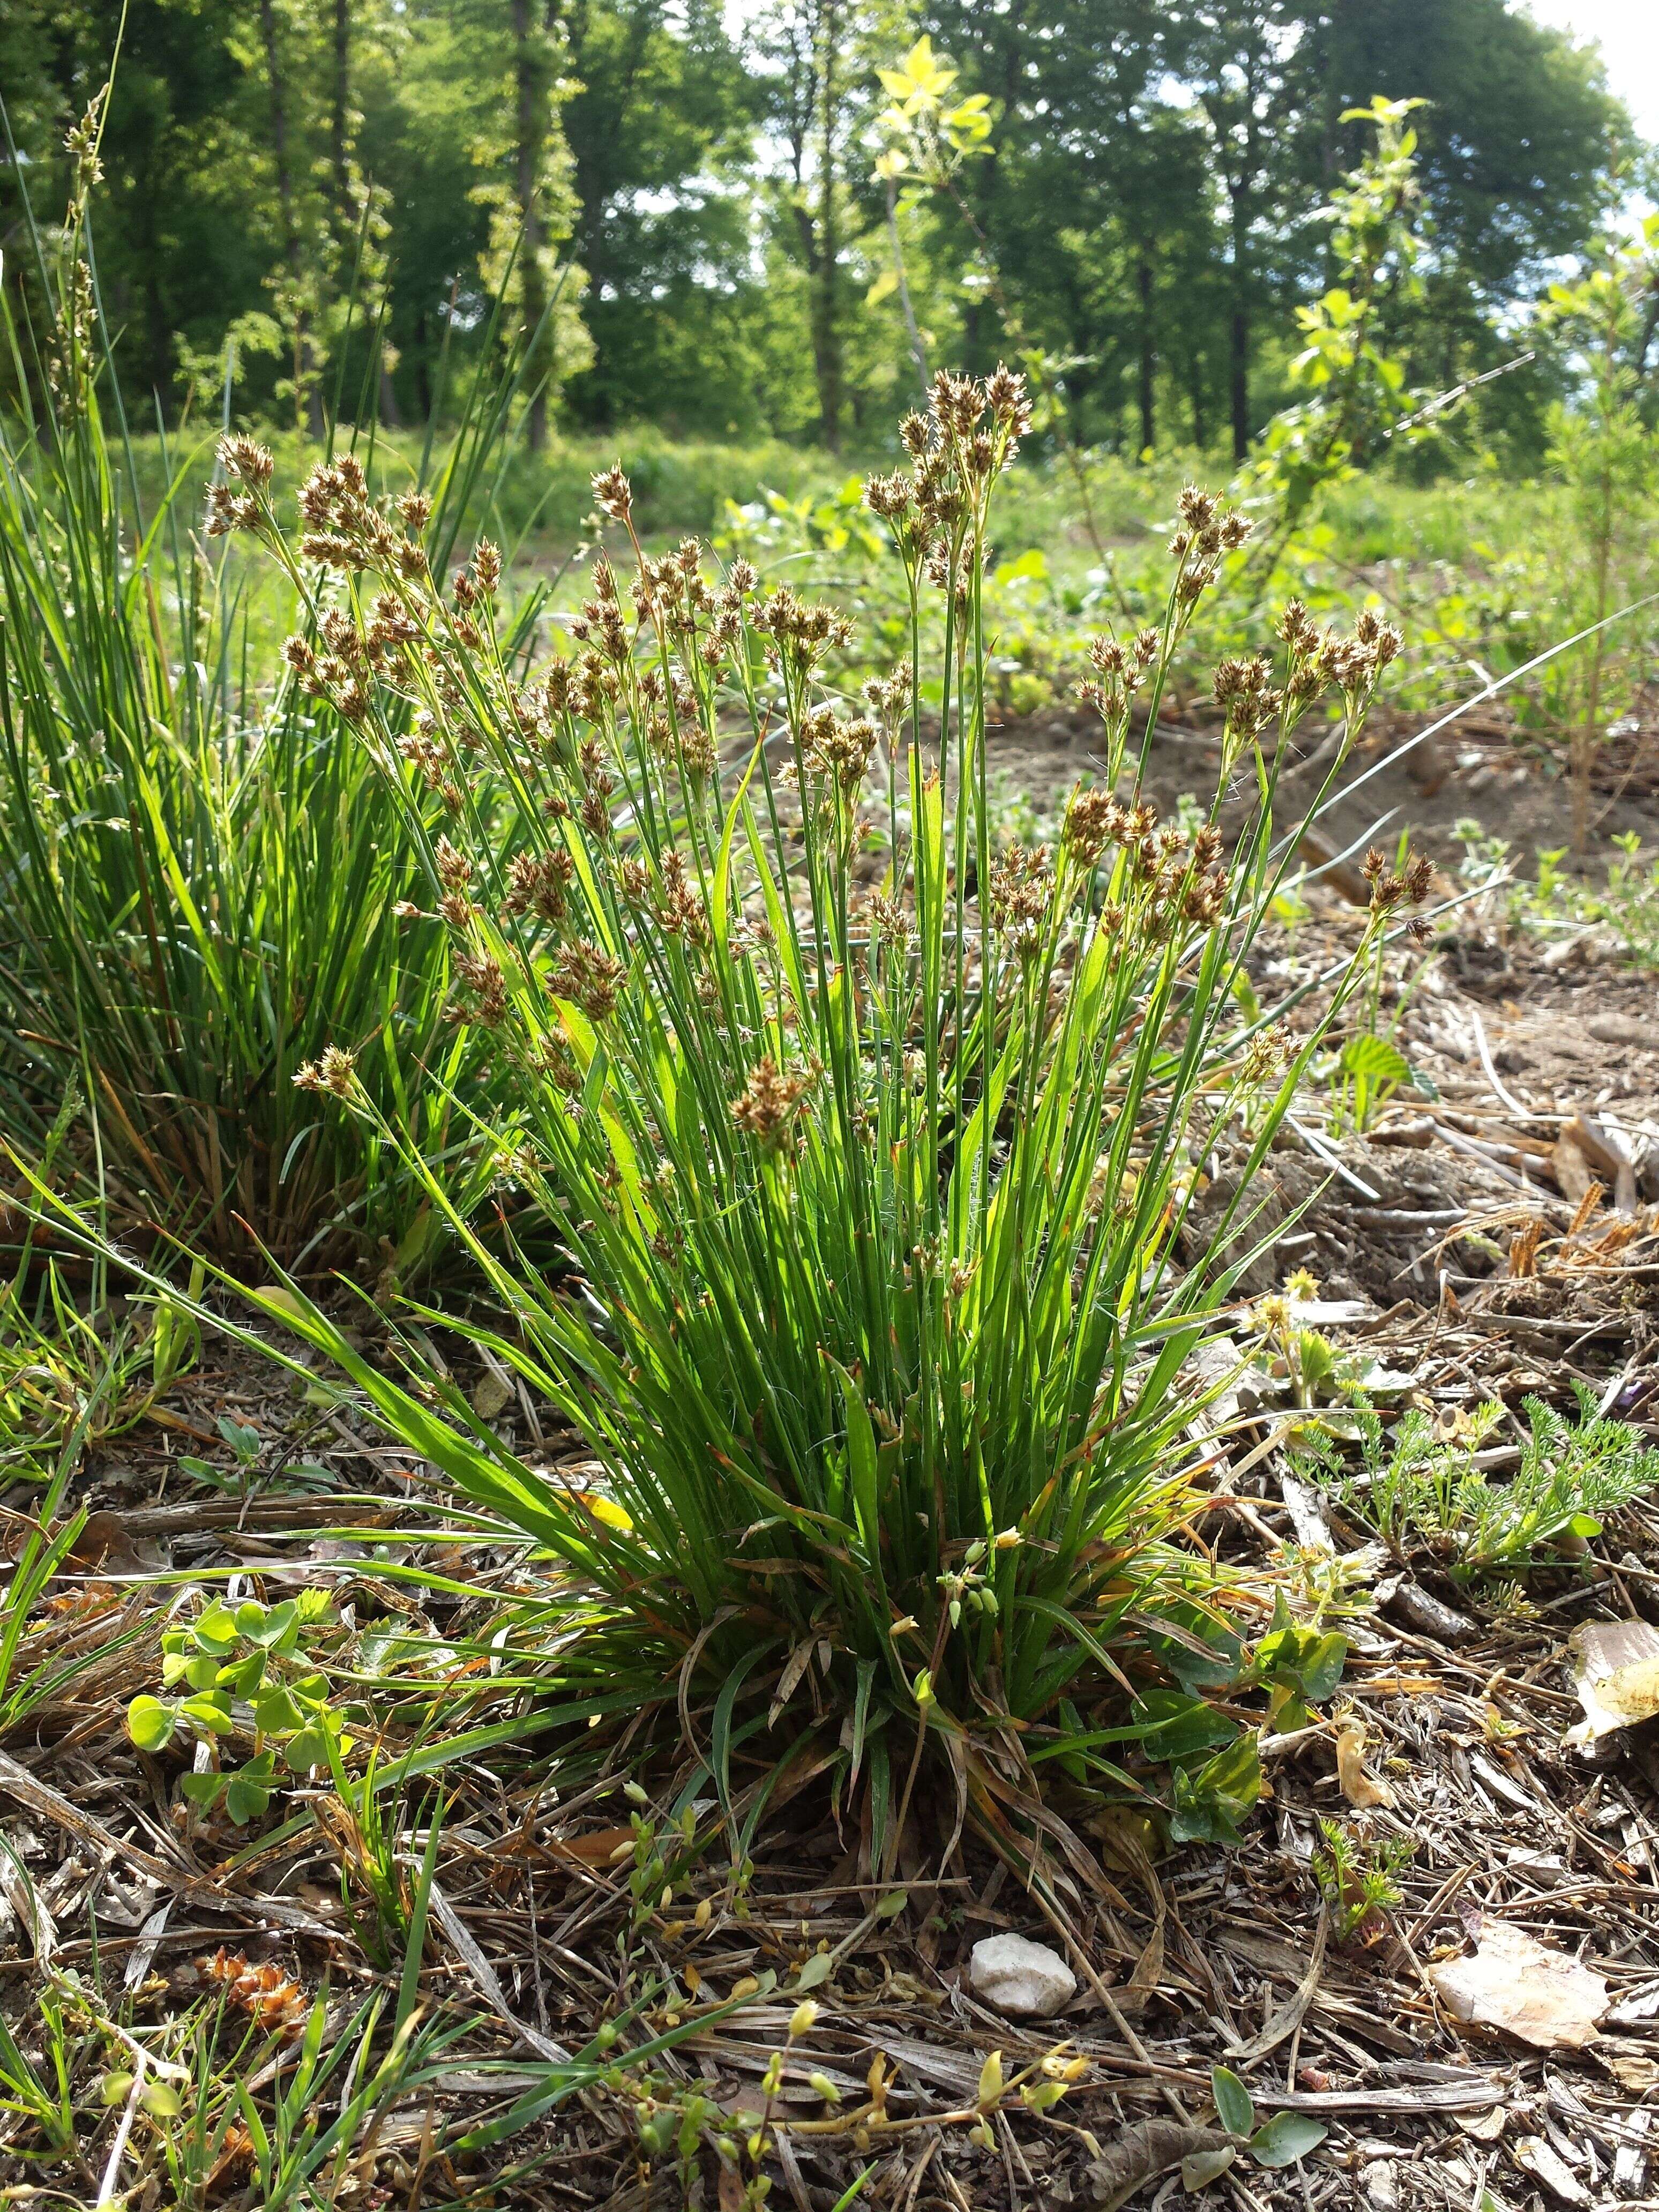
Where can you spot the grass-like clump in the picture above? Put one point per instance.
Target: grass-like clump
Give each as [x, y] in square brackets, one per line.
[200, 882]
[872, 1146]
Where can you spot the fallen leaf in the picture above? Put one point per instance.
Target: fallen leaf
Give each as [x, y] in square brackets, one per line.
[104, 1542]
[598, 1847]
[1514, 1983]
[1357, 1786]
[1140, 2154]
[1616, 1674]
[1635, 2073]
[1485, 2127]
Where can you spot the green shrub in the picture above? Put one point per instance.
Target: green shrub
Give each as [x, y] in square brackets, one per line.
[871, 1147]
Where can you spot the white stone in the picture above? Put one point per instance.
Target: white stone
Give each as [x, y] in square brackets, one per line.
[1026, 1979]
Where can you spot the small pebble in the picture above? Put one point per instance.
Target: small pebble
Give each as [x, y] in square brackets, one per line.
[1025, 1979]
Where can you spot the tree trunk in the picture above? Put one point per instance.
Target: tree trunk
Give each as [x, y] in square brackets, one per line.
[826, 303]
[532, 125]
[304, 415]
[1238, 376]
[1148, 357]
[1238, 365]
[340, 117]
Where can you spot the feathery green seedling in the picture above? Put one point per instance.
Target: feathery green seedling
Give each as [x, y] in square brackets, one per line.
[1358, 1875]
[875, 1197]
[1421, 1489]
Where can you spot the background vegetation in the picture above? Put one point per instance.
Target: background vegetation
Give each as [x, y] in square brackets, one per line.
[706, 243]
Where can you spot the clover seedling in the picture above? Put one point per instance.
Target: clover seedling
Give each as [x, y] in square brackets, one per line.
[252, 1657]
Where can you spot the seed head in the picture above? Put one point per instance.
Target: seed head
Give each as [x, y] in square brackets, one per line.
[613, 493]
[335, 1071]
[770, 1102]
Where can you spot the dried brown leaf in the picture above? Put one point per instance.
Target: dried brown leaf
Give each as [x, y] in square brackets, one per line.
[1514, 1983]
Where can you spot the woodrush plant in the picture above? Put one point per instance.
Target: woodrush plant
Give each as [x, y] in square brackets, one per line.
[199, 885]
[872, 1144]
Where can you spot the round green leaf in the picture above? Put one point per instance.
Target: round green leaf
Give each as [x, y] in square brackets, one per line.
[1202, 2168]
[1286, 2138]
[246, 1798]
[210, 1712]
[149, 1724]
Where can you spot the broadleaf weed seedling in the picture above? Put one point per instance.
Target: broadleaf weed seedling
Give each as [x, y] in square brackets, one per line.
[260, 1658]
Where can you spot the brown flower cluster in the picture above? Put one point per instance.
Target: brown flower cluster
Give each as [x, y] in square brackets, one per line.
[888, 922]
[840, 753]
[538, 884]
[799, 634]
[334, 1070]
[344, 530]
[680, 910]
[472, 589]
[590, 978]
[1321, 659]
[1174, 877]
[1208, 532]
[352, 658]
[888, 696]
[1120, 671]
[613, 492]
[771, 1102]
[1266, 1055]
[481, 989]
[969, 433]
[1390, 891]
[242, 500]
[1022, 885]
[1244, 689]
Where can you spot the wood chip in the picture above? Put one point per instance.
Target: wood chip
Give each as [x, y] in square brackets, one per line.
[1534, 2156]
